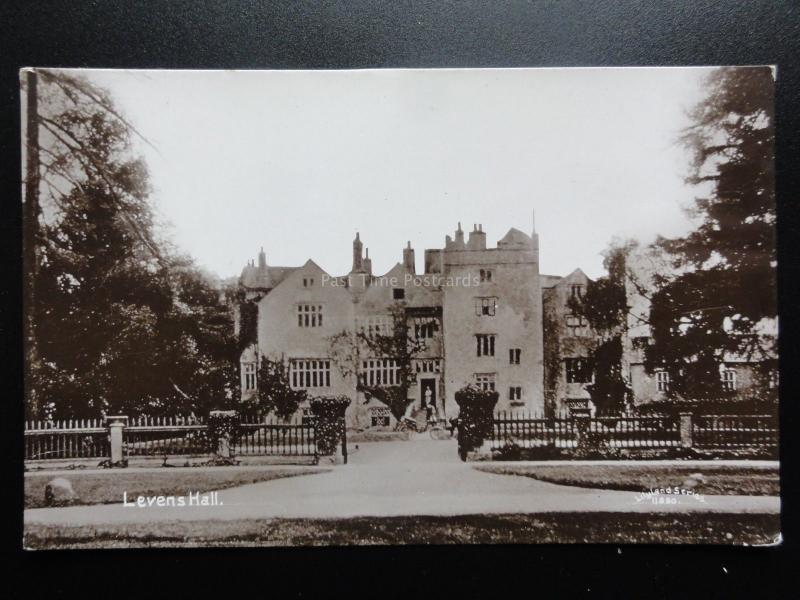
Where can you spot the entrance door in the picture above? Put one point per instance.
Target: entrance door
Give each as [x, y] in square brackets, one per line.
[427, 390]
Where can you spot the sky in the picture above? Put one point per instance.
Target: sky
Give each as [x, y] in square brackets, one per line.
[298, 161]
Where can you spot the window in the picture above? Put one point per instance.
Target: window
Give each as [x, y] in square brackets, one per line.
[377, 325]
[485, 275]
[249, 370]
[308, 281]
[380, 421]
[485, 344]
[425, 328]
[309, 373]
[485, 381]
[309, 315]
[576, 324]
[513, 356]
[729, 379]
[428, 365]
[398, 293]
[380, 372]
[515, 392]
[576, 291]
[640, 342]
[772, 379]
[578, 370]
[485, 307]
[662, 381]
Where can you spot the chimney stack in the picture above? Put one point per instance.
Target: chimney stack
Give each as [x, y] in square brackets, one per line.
[409, 262]
[459, 237]
[357, 260]
[368, 264]
[262, 259]
[477, 238]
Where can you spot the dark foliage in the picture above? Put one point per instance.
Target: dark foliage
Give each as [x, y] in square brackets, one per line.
[726, 267]
[122, 323]
[475, 417]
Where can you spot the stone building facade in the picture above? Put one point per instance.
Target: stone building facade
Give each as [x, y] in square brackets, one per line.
[477, 314]
[478, 311]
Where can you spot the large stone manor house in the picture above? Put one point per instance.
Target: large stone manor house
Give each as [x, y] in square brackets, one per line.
[481, 315]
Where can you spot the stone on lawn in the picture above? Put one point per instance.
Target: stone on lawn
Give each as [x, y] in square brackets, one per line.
[59, 492]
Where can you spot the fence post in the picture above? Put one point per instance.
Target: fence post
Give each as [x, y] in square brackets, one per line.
[116, 427]
[686, 430]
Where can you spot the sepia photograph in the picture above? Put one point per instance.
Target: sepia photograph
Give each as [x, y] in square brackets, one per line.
[399, 307]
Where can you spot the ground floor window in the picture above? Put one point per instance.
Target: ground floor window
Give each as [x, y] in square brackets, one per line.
[380, 371]
[485, 381]
[249, 376]
[579, 370]
[309, 373]
[662, 381]
[729, 379]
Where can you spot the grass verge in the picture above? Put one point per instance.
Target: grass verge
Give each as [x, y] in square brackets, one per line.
[724, 480]
[106, 487]
[612, 528]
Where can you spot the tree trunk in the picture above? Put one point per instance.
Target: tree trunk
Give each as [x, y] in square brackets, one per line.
[31, 239]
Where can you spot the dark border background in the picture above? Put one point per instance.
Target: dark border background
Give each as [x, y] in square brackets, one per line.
[383, 33]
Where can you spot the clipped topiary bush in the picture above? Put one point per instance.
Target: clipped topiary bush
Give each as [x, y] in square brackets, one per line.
[329, 413]
[476, 413]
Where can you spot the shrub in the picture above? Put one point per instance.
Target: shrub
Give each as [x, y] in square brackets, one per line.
[329, 412]
[476, 413]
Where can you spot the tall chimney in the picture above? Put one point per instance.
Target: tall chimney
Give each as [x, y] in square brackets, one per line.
[368, 263]
[409, 262]
[459, 237]
[357, 260]
[262, 259]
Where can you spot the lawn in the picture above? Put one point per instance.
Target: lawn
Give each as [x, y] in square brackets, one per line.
[106, 487]
[717, 479]
[614, 528]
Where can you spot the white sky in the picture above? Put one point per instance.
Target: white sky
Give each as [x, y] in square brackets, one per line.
[298, 161]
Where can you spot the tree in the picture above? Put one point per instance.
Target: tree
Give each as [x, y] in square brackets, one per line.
[348, 348]
[724, 281]
[274, 391]
[605, 308]
[120, 321]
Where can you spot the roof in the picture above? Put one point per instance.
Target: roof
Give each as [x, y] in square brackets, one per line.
[264, 278]
[515, 237]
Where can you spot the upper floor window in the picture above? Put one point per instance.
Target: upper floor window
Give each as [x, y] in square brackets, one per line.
[513, 356]
[579, 370]
[729, 379]
[576, 325]
[376, 325]
[576, 291]
[515, 392]
[485, 275]
[249, 376]
[309, 373]
[398, 293]
[662, 381]
[308, 281]
[425, 328]
[640, 342]
[380, 372]
[428, 365]
[485, 381]
[485, 344]
[309, 315]
[485, 307]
